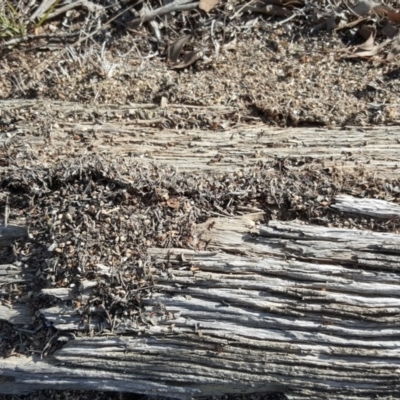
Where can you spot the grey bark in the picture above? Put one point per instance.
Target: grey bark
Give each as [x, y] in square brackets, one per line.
[237, 146]
[311, 311]
[10, 233]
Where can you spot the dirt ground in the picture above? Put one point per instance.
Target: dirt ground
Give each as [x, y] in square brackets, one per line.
[286, 69]
[295, 72]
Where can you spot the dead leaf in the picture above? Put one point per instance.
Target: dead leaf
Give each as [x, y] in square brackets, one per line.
[175, 48]
[366, 32]
[367, 49]
[393, 16]
[189, 59]
[389, 30]
[382, 9]
[363, 8]
[173, 203]
[364, 54]
[207, 5]
[351, 24]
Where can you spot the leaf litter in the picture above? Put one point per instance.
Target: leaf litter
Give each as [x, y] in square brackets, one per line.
[315, 16]
[120, 53]
[207, 5]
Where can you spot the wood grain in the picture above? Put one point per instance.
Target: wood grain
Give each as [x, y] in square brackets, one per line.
[137, 131]
[309, 310]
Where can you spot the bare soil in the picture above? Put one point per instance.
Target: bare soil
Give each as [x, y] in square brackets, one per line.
[293, 73]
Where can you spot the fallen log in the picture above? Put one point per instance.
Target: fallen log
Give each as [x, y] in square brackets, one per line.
[310, 311]
[10, 233]
[374, 149]
[18, 314]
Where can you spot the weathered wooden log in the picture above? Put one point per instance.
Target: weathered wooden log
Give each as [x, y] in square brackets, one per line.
[19, 313]
[199, 150]
[370, 207]
[375, 149]
[10, 233]
[308, 310]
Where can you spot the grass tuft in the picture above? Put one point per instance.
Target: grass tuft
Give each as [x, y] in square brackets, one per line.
[11, 23]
